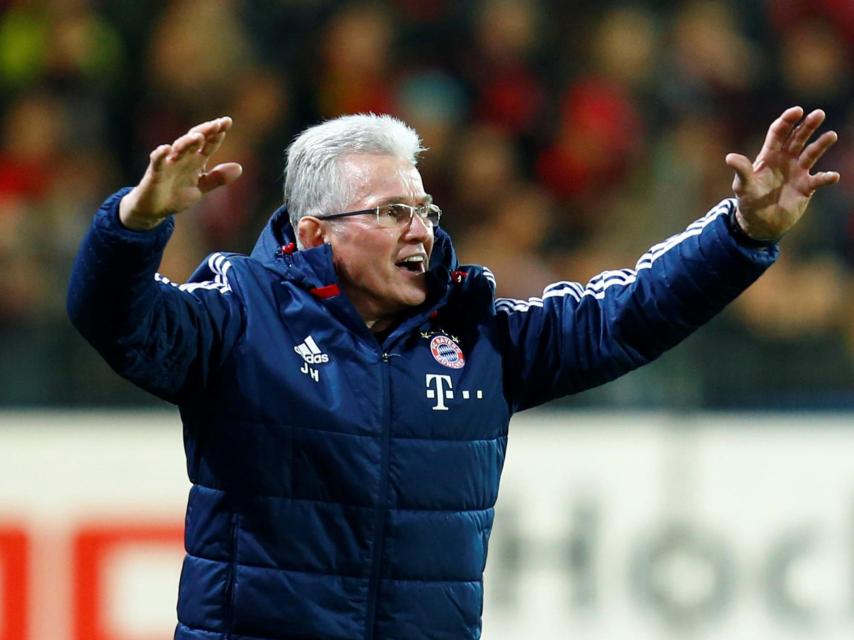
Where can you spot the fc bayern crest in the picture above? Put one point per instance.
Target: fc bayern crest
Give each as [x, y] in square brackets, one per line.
[447, 352]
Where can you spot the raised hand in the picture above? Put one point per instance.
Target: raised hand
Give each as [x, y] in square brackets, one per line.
[773, 192]
[177, 176]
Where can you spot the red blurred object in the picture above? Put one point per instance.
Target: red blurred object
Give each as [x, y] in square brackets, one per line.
[600, 131]
[23, 178]
[790, 14]
[92, 547]
[510, 99]
[14, 584]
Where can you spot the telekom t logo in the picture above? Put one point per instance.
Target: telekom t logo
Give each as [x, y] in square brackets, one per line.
[443, 391]
[440, 388]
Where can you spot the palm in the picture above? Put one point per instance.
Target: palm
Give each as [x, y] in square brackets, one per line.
[172, 187]
[177, 176]
[780, 188]
[773, 192]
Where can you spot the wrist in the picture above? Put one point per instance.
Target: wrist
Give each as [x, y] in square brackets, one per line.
[132, 219]
[745, 233]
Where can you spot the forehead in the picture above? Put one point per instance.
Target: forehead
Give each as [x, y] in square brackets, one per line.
[375, 179]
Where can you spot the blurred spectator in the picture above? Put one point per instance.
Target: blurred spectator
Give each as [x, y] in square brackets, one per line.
[31, 146]
[485, 163]
[508, 90]
[688, 168]
[626, 47]
[197, 52]
[23, 288]
[65, 41]
[24, 41]
[814, 302]
[513, 241]
[260, 105]
[835, 16]
[815, 65]
[356, 57]
[435, 103]
[599, 132]
[711, 64]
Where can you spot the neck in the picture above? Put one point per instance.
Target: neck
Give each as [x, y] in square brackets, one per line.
[375, 317]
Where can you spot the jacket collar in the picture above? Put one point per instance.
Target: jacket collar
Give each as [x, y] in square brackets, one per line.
[313, 269]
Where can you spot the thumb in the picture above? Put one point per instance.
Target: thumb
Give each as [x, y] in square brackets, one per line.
[743, 169]
[220, 175]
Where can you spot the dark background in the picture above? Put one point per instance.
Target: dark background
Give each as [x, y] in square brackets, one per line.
[565, 138]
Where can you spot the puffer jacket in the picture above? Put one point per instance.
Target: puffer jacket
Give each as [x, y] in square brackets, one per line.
[343, 488]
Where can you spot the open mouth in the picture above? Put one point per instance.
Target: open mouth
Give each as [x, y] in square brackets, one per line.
[413, 264]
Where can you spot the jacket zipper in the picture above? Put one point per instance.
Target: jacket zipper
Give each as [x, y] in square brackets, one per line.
[379, 522]
[232, 575]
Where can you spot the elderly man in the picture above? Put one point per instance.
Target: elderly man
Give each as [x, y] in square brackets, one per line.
[346, 389]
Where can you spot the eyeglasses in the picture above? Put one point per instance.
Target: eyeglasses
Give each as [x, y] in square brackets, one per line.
[396, 216]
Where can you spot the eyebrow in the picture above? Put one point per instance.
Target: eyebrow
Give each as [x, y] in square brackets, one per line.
[427, 199]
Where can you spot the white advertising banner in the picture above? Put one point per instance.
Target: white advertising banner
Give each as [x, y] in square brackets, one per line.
[608, 527]
[650, 526]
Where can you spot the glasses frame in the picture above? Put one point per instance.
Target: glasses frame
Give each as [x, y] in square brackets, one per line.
[376, 211]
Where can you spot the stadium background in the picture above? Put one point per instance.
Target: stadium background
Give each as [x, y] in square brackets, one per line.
[565, 138]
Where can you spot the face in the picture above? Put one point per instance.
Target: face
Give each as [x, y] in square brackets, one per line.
[368, 258]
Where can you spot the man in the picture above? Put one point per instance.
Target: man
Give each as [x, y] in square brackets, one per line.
[346, 389]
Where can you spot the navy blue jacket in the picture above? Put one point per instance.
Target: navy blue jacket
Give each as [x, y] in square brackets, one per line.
[343, 488]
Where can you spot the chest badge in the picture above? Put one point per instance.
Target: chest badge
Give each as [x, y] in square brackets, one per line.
[447, 352]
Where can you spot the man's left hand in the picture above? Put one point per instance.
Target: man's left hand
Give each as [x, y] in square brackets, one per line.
[773, 192]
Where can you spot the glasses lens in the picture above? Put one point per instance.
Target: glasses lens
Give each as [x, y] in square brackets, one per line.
[399, 215]
[432, 214]
[393, 215]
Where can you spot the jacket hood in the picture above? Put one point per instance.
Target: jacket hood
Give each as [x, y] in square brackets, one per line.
[314, 267]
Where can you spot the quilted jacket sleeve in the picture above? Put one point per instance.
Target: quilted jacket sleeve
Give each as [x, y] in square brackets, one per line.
[165, 338]
[575, 337]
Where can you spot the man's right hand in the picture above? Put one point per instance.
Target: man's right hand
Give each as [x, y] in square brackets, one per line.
[177, 178]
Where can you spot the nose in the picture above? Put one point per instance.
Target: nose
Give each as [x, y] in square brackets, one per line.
[418, 229]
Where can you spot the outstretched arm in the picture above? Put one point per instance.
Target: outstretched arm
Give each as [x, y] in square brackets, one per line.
[575, 336]
[774, 190]
[166, 339]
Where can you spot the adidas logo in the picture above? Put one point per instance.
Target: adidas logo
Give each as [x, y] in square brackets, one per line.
[310, 352]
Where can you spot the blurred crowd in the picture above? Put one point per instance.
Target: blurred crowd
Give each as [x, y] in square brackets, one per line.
[564, 138]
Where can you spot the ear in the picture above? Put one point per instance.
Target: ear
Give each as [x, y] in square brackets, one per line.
[310, 232]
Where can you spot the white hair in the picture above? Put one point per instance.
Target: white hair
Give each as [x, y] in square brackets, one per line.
[314, 182]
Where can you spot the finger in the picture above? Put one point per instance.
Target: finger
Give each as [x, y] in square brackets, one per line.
[205, 128]
[158, 156]
[211, 127]
[217, 124]
[214, 132]
[213, 143]
[781, 128]
[220, 175]
[823, 179]
[742, 166]
[804, 131]
[816, 150]
[192, 140]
